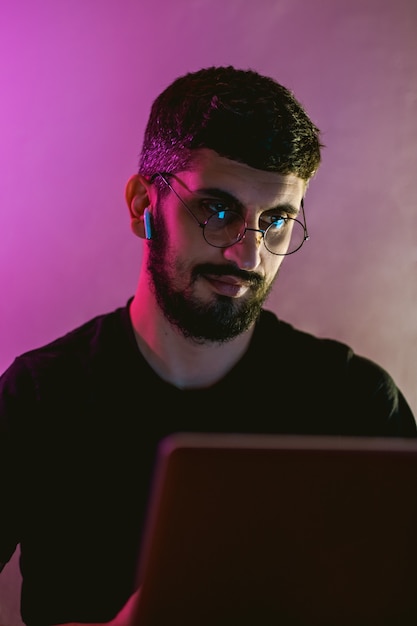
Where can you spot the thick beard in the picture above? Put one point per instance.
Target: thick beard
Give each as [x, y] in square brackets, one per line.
[218, 321]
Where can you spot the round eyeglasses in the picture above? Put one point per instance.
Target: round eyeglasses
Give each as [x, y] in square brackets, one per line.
[223, 228]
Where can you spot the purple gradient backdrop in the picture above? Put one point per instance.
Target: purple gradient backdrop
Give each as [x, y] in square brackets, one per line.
[77, 81]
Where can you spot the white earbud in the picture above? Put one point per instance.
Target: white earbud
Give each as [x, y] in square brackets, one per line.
[147, 221]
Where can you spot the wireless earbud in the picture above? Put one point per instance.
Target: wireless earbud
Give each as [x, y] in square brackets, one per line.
[147, 221]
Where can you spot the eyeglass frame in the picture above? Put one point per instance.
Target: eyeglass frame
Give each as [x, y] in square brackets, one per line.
[202, 225]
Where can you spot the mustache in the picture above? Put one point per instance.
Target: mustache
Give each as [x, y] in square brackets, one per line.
[227, 270]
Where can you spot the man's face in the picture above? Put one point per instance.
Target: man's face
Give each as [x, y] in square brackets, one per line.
[208, 293]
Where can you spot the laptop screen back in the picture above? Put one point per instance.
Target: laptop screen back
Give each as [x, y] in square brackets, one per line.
[266, 530]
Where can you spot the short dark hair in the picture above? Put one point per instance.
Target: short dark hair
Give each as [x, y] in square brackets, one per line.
[239, 114]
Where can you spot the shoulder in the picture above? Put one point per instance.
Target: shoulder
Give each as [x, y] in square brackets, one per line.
[335, 378]
[311, 353]
[284, 337]
[72, 352]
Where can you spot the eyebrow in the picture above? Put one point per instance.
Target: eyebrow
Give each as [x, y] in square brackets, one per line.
[220, 194]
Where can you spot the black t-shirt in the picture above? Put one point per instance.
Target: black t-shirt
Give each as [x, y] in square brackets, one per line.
[80, 420]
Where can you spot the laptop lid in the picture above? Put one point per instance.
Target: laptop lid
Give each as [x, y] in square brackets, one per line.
[264, 530]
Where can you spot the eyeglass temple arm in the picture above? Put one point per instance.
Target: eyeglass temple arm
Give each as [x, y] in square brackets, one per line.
[306, 235]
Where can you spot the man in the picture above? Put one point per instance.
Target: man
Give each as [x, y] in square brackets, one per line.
[219, 202]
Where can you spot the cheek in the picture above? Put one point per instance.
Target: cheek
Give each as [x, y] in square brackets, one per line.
[271, 264]
[184, 235]
[188, 241]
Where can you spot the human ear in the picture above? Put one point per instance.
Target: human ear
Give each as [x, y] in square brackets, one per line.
[137, 195]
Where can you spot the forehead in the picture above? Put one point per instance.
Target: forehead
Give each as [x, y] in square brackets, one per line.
[249, 185]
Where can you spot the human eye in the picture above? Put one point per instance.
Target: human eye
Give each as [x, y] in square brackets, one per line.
[277, 221]
[212, 206]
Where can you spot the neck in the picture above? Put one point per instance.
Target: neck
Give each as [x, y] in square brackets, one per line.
[178, 360]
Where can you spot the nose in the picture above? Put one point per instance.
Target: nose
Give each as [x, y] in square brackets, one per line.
[246, 252]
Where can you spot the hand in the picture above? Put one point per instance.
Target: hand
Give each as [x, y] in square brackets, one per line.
[123, 618]
[125, 615]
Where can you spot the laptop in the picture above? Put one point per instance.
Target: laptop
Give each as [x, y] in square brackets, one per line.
[262, 530]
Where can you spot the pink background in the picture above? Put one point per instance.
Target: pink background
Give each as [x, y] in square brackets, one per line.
[77, 80]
